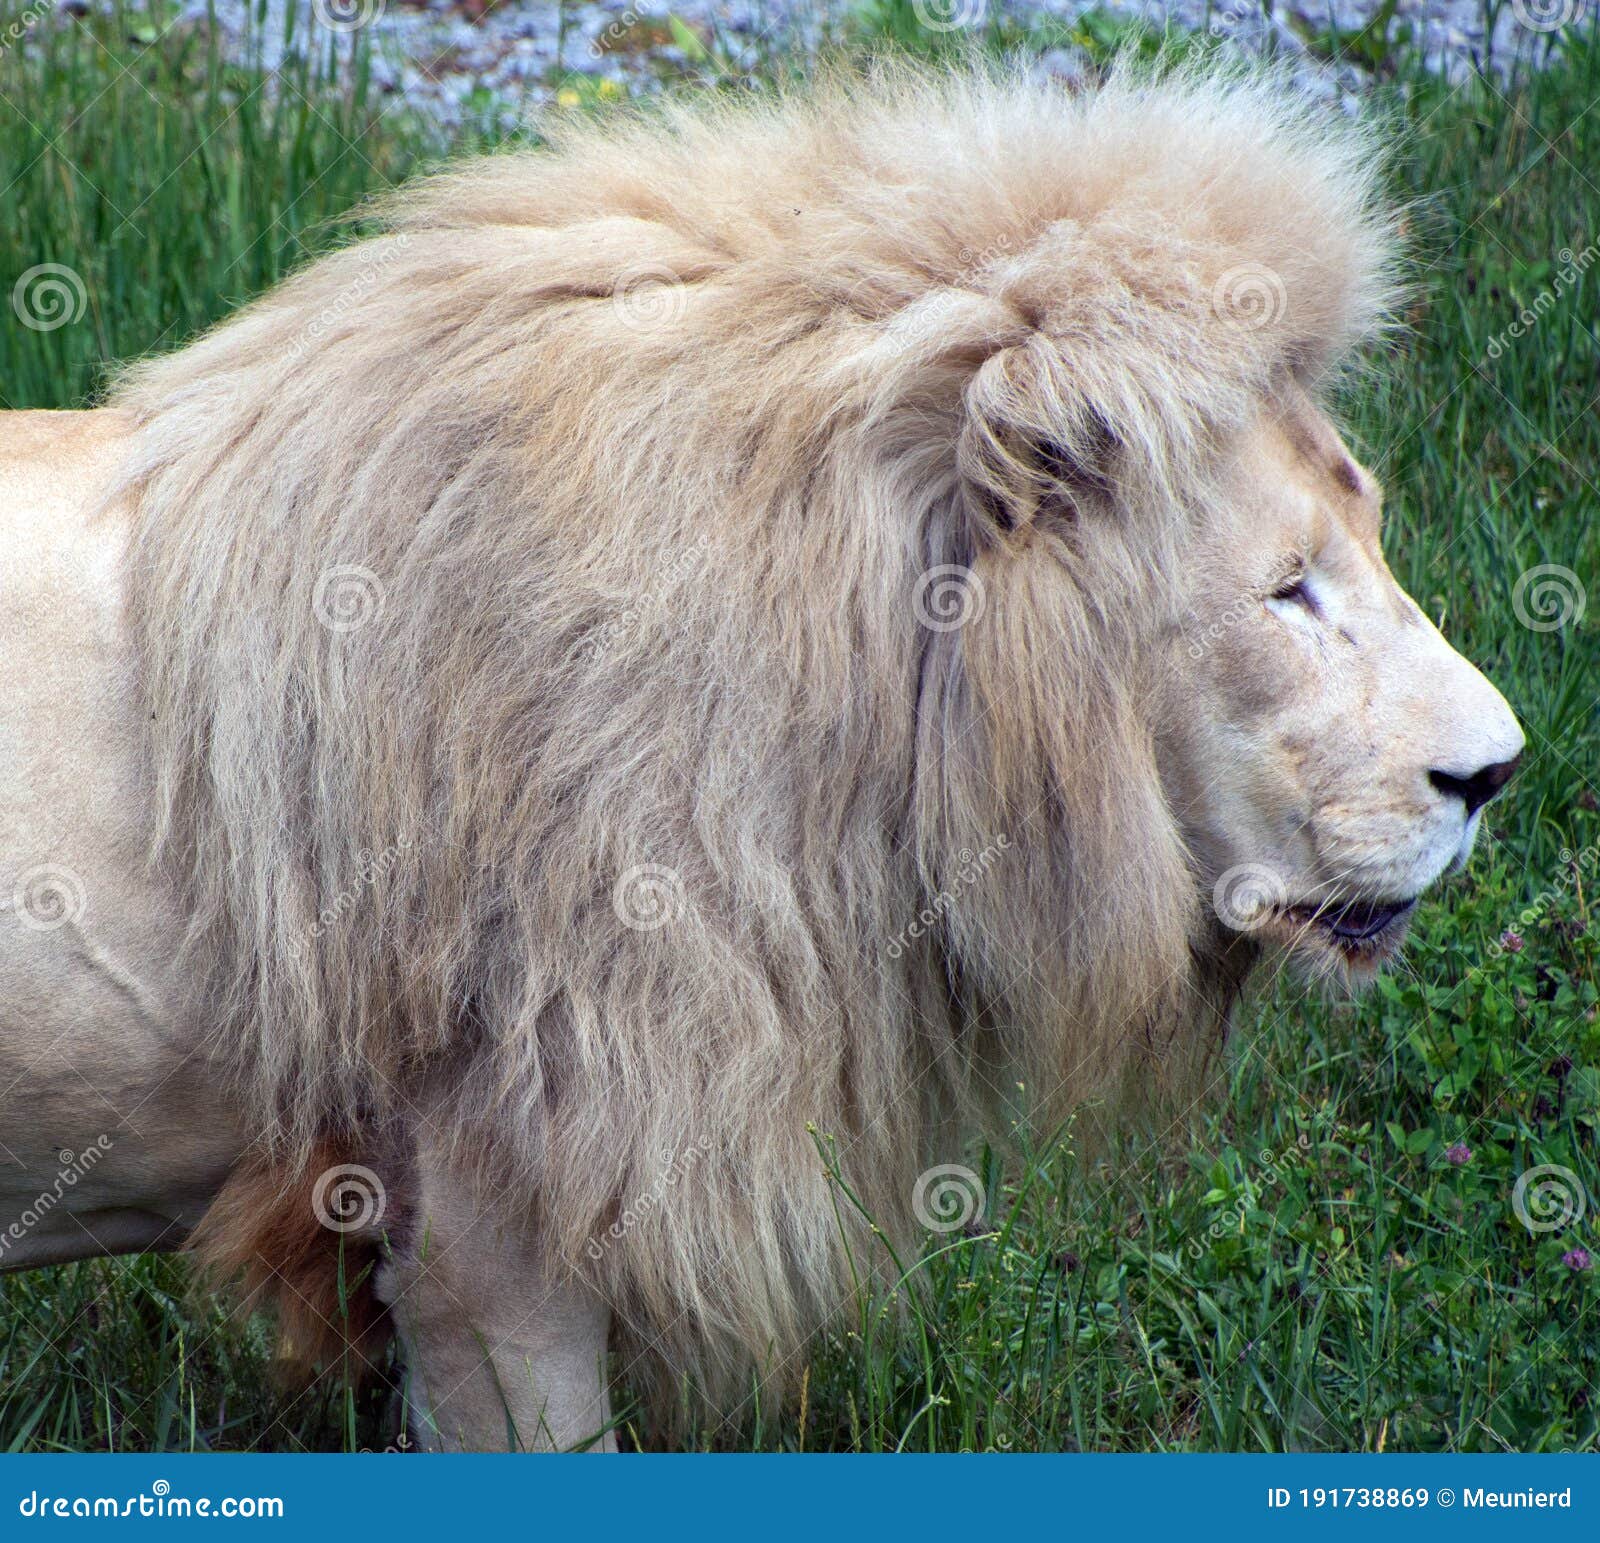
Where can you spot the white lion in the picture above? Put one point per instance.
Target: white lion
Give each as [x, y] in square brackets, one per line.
[761, 618]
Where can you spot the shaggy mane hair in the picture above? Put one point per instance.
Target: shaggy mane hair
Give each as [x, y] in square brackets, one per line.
[652, 645]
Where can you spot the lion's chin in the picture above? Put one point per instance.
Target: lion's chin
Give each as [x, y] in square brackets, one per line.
[1350, 944]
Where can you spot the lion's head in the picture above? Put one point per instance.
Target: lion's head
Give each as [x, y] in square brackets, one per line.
[1327, 752]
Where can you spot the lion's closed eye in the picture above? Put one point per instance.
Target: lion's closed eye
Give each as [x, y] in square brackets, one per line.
[1294, 590]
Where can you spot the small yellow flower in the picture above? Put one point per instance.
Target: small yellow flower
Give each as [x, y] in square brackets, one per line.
[567, 97]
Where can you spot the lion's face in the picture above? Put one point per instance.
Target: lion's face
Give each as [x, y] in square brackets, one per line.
[1326, 752]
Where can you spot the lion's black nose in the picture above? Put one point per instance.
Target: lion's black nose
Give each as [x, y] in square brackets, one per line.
[1475, 791]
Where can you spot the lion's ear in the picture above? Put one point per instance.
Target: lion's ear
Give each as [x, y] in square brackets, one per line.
[1026, 448]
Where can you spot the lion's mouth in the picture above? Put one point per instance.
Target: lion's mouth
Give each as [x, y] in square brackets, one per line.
[1358, 928]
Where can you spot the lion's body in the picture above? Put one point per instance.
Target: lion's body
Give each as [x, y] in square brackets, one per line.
[555, 757]
[99, 1028]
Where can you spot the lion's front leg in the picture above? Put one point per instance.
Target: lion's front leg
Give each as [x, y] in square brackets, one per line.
[505, 1352]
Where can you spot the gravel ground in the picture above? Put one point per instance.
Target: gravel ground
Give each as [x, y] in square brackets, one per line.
[455, 59]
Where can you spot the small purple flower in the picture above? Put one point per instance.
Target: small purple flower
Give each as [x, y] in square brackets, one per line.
[1458, 1155]
[1511, 941]
[1577, 1259]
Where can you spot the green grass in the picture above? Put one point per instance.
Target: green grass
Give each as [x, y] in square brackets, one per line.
[1304, 1266]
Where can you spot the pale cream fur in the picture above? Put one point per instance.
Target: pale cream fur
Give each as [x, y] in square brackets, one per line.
[645, 447]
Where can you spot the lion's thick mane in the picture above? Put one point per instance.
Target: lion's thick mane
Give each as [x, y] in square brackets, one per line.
[547, 613]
